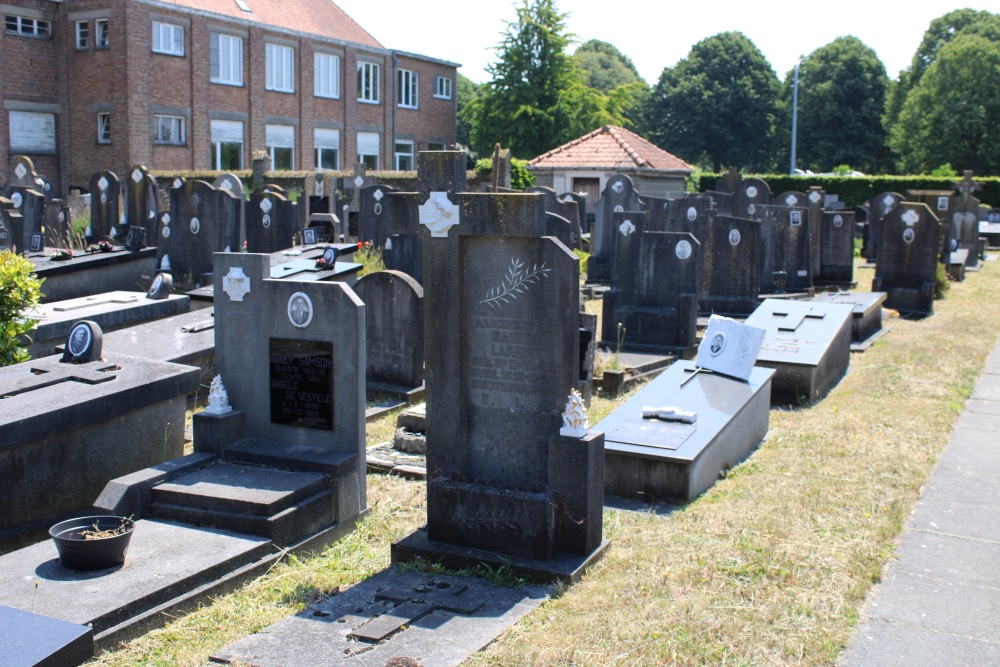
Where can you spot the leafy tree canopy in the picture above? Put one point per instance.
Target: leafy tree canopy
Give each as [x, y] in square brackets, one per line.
[604, 66]
[467, 91]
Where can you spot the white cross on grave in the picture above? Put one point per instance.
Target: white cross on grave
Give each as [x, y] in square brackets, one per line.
[438, 214]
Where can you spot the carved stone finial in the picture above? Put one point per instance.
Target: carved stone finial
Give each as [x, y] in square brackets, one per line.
[218, 399]
[575, 417]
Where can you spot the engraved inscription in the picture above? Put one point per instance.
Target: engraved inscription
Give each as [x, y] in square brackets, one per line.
[301, 374]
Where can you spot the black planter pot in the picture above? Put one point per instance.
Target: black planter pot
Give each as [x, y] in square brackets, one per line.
[78, 553]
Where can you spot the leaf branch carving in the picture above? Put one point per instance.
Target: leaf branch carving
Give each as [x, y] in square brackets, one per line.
[516, 281]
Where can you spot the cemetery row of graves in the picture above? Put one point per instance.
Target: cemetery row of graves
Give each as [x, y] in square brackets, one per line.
[723, 305]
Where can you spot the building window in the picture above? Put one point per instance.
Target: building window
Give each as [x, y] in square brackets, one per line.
[25, 27]
[436, 146]
[404, 155]
[227, 145]
[226, 54]
[82, 34]
[281, 145]
[368, 150]
[280, 68]
[327, 145]
[169, 130]
[168, 38]
[407, 89]
[32, 132]
[442, 87]
[104, 128]
[368, 85]
[327, 75]
[102, 40]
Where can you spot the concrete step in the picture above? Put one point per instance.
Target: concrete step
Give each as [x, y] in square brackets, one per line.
[299, 458]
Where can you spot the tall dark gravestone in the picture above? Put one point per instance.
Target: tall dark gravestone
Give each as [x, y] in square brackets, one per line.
[373, 214]
[786, 258]
[142, 203]
[30, 203]
[942, 205]
[562, 216]
[10, 218]
[731, 284]
[502, 358]
[23, 175]
[654, 289]
[271, 222]
[879, 207]
[837, 248]
[202, 221]
[105, 206]
[907, 259]
[394, 330]
[619, 195]
[965, 219]
[384, 211]
[749, 195]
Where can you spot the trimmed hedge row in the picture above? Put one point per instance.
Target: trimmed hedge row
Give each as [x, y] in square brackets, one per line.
[856, 190]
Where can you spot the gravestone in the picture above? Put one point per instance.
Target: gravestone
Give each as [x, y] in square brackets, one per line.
[202, 220]
[30, 204]
[675, 436]
[55, 220]
[837, 248]
[502, 356]
[749, 195]
[619, 195]
[909, 248]
[686, 214]
[23, 174]
[817, 202]
[36, 640]
[271, 222]
[866, 323]
[11, 226]
[965, 219]
[654, 289]
[142, 203]
[105, 206]
[808, 343]
[394, 331]
[232, 183]
[562, 216]
[879, 207]
[942, 205]
[785, 254]
[731, 270]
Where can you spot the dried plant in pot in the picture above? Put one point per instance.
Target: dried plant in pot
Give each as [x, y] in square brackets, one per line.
[92, 542]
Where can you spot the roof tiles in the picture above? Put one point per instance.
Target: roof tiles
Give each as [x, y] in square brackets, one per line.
[611, 147]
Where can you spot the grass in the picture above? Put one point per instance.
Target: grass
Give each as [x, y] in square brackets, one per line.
[770, 567]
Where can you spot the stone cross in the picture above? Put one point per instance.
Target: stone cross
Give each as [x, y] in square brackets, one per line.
[967, 185]
[48, 374]
[415, 602]
[795, 319]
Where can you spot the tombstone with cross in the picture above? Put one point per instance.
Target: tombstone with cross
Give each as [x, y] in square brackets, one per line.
[142, 202]
[271, 222]
[619, 195]
[30, 204]
[908, 259]
[203, 220]
[105, 206]
[965, 218]
[879, 207]
[808, 343]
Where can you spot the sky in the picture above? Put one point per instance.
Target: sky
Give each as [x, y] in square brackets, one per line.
[466, 32]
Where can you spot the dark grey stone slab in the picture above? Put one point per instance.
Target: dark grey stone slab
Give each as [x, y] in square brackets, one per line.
[888, 644]
[866, 320]
[908, 251]
[732, 418]
[808, 343]
[32, 640]
[321, 634]
[94, 273]
[394, 330]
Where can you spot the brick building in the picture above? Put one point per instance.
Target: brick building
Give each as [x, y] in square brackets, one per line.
[200, 84]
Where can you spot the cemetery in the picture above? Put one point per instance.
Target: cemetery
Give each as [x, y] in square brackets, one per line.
[625, 445]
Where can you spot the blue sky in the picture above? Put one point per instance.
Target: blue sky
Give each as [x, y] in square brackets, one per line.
[467, 32]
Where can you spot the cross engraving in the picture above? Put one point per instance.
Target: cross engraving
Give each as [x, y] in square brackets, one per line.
[967, 186]
[794, 320]
[54, 372]
[413, 603]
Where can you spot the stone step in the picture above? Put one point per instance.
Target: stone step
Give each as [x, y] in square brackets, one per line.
[299, 458]
[239, 489]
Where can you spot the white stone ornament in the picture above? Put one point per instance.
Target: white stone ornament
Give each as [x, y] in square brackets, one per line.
[911, 217]
[17, 199]
[152, 214]
[178, 182]
[626, 228]
[226, 185]
[358, 181]
[814, 197]
[619, 208]
[88, 231]
[669, 414]
[575, 417]
[114, 232]
[227, 249]
[266, 205]
[102, 184]
[20, 170]
[751, 191]
[388, 244]
[888, 201]
[165, 263]
[300, 310]
[378, 195]
[236, 283]
[617, 187]
[166, 218]
[438, 214]
[137, 176]
[791, 200]
[218, 399]
[683, 249]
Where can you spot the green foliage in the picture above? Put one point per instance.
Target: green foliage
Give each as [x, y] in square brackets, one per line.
[583, 256]
[19, 292]
[467, 92]
[604, 66]
[842, 88]
[944, 171]
[941, 282]
[953, 114]
[718, 106]
[520, 177]
[842, 170]
[370, 259]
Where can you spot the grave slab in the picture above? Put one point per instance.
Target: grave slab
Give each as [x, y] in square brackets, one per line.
[808, 343]
[439, 621]
[85, 274]
[110, 310]
[33, 640]
[866, 319]
[652, 459]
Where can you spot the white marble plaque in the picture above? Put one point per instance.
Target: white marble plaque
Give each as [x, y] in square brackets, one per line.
[730, 347]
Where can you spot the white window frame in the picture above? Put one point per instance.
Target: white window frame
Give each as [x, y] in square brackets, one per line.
[409, 87]
[176, 134]
[27, 27]
[102, 38]
[326, 141]
[369, 75]
[280, 74]
[442, 87]
[366, 142]
[82, 35]
[326, 77]
[104, 127]
[165, 38]
[220, 136]
[279, 136]
[227, 66]
[397, 155]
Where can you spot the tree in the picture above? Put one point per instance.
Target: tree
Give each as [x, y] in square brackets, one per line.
[953, 114]
[604, 66]
[842, 88]
[467, 91]
[718, 105]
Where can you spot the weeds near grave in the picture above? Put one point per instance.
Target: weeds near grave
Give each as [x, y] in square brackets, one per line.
[941, 281]
[370, 258]
[33, 594]
[583, 256]
[95, 532]
[616, 360]
[502, 575]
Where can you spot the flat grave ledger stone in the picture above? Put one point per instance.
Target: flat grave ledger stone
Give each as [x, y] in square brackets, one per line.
[86, 274]
[105, 206]
[808, 343]
[731, 270]
[866, 322]
[836, 248]
[786, 256]
[908, 258]
[654, 289]
[654, 459]
[109, 310]
[619, 195]
[879, 207]
[32, 639]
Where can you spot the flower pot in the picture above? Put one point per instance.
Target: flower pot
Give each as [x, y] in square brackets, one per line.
[77, 552]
